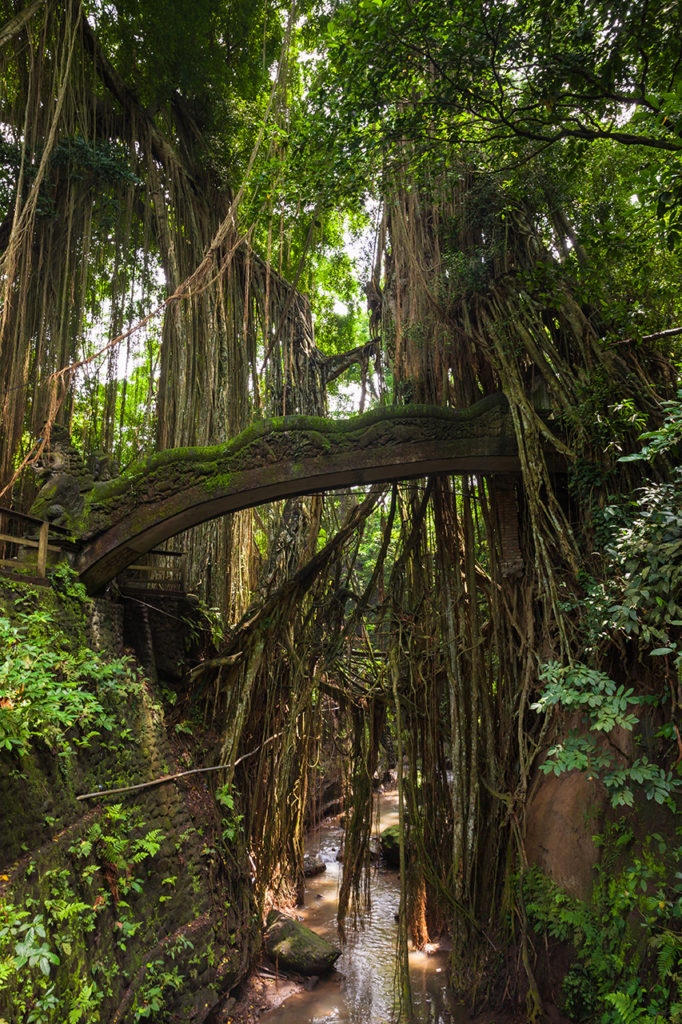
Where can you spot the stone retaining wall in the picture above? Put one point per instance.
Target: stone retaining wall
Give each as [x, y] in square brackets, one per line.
[147, 913]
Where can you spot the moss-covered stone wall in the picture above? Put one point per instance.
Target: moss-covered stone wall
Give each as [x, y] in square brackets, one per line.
[124, 908]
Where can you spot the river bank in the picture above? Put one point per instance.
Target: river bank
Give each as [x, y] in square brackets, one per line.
[360, 990]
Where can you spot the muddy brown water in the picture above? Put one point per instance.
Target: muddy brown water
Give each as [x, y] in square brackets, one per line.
[361, 990]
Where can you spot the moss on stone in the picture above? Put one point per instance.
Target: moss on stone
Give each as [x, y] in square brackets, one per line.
[389, 841]
[213, 466]
[294, 947]
[107, 915]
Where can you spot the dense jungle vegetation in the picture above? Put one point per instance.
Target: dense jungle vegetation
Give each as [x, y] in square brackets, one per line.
[213, 213]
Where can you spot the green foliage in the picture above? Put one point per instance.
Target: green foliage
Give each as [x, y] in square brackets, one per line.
[42, 970]
[147, 846]
[161, 979]
[627, 939]
[604, 706]
[638, 598]
[588, 690]
[630, 269]
[31, 952]
[195, 59]
[51, 691]
[158, 980]
[629, 1010]
[553, 73]
[66, 582]
[110, 841]
[104, 165]
[643, 596]
[31, 947]
[100, 162]
[232, 820]
[667, 436]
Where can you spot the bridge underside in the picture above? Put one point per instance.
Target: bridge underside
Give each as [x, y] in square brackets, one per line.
[295, 455]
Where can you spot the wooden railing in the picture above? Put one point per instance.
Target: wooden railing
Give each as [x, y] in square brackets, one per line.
[44, 537]
[153, 573]
[14, 542]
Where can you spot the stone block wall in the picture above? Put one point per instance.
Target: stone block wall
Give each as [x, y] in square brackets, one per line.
[127, 907]
[165, 628]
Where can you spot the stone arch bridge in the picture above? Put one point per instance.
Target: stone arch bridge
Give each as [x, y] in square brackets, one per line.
[174, 490]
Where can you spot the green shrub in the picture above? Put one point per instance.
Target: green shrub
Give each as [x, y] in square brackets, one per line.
[51, 691]
[627, 939]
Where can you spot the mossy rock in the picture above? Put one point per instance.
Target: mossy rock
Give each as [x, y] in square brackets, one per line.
[293, 947]
[389, 841]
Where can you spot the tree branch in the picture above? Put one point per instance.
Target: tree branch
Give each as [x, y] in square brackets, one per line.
[335, 365]
[177, 775]
[161, 148]
[14, 26]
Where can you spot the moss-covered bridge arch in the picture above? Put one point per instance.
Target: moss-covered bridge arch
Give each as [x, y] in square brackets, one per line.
[171, 491]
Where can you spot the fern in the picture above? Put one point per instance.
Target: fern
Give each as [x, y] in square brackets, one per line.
[626, 1008]
[88, 1000]
[669, 956]
[147, 846]
[7, 971]
[629, 1010]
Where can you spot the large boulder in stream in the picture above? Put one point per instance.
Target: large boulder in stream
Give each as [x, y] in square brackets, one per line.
[313, 865]
[389, 842]
[293, 947]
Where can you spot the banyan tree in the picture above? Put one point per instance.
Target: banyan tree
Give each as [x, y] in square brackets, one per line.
[135, 309]
[482, 285]
[113, 199]
[421, 617]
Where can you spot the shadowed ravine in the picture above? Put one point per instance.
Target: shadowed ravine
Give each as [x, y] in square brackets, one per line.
[361, 990]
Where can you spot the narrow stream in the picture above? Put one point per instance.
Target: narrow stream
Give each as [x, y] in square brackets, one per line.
[361, 990]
